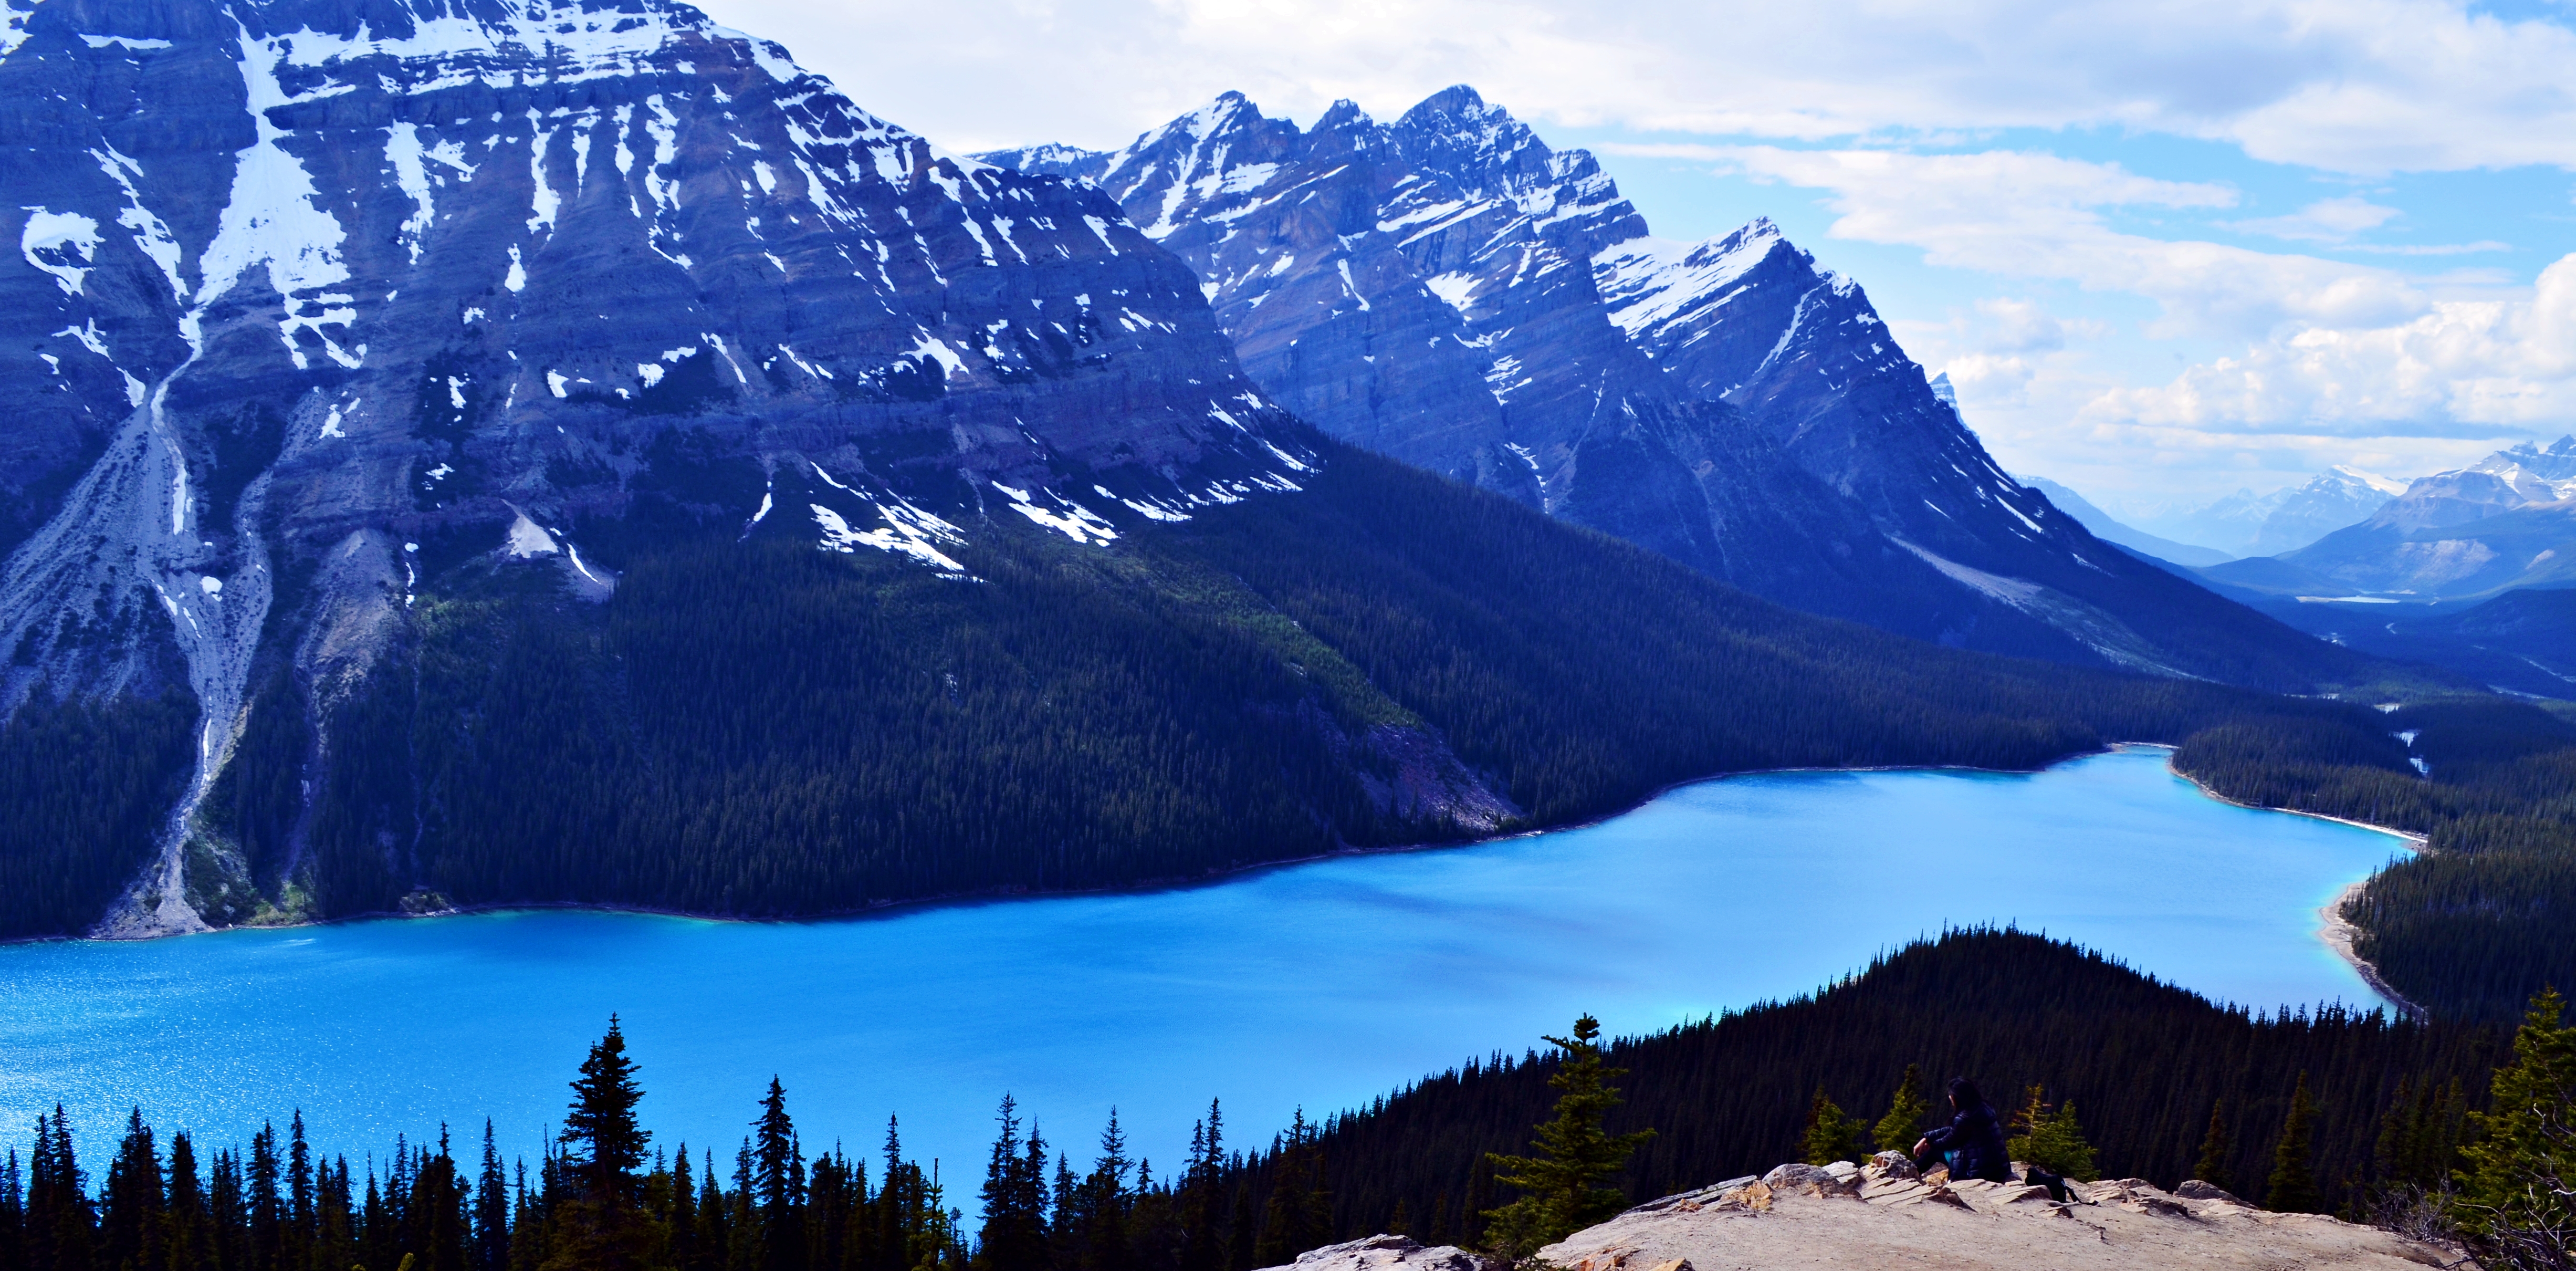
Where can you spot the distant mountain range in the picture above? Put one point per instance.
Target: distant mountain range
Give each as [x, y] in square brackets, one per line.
[2464, 569]
[2248, 524]
[1447, 289]
[2111, 530]
[2504, 522]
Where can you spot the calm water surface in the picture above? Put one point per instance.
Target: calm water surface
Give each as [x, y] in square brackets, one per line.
[1317, 985]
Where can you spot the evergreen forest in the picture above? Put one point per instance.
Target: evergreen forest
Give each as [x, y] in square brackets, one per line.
[752, 727]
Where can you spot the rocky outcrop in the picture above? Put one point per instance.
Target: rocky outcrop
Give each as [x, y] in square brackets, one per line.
[1392, 1253]
[1845, 1216]
[1448, 289]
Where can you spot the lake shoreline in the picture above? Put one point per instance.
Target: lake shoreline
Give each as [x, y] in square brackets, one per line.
[1143, 887]
[2333, 930]
[2338, 932]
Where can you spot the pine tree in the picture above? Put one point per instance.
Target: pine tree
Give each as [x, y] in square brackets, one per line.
[1299, 1214]
[1014, 1237]
[2051, 1138]
[2215, 1147]
[778, 1183]
[1563, 1188]
[267, 1207]
[2514, 1200]
[296, 1243]
[1101, 1206]
[597, 1226]
[13, 1213]
[491, 1210]
[61, 1226]
[1831, 1135]
[1200, 1199]
[131, 1224]
[1903, 1125]
[2293, 1188]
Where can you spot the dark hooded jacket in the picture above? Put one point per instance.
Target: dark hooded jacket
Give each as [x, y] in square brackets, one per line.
[1974, 1142]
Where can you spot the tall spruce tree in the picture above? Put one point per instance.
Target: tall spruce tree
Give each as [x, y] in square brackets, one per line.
[2293, 1186]
[2514, 1202]
[2216, 1146]
[1903, 1124]
[1202, 1200]
[1564, 1188]
[597, 1225]
[491, 1209]
[1831, 1135]
[777, 1181]
[1014, 1237]
[1299, 1213]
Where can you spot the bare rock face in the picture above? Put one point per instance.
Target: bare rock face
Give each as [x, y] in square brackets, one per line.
[1388, 1253]
[1448, 289]
[331, 291]
[1974, 1226]
[1425, 287]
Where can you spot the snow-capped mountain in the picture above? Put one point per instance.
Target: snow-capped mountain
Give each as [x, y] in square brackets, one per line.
[2337, 497]
[1448, 289]
[2506, 521]
[1424, 288]
[2248, 524]
[313, 297]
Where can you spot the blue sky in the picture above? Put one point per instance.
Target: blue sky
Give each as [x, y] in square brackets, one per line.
[2165, 248]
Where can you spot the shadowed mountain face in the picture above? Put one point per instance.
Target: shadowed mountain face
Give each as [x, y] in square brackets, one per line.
[316, 298]
[1449, 290]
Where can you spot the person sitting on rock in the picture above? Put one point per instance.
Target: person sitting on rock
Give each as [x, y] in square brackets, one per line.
[1972, 1145]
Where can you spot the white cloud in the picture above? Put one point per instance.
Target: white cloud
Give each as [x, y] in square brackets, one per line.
[2030, 215]
[2363, 86]
[2464, 366]
[2324, 221]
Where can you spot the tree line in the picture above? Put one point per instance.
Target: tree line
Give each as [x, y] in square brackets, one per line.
[2451, 1127]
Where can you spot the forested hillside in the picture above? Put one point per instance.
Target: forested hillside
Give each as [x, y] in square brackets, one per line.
[2146, 1066]
[2488, 915]
[759, 728]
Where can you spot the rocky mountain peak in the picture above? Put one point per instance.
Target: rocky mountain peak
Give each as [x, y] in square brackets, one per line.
[349, 291]
[1452, 291]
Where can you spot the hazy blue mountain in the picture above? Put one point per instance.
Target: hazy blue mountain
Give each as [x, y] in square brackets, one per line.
[2110, 530]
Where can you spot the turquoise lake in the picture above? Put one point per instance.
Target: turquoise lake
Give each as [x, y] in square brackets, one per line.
[1321, 984]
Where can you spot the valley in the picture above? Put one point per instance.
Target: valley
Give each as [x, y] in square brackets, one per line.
[517, 515]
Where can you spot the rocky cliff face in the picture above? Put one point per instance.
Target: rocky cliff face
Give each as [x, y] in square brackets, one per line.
[1448, 289]
[314, 297]
[1425, 288]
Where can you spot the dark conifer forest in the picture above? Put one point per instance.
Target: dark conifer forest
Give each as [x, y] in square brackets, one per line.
[758, 728]
[2156, 1074]
[752, 727]
[2487, 916]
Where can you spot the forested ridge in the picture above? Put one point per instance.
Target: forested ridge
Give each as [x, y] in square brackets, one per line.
[753, 727]
[2487, 916]
[2145, 1067]
[758, 728]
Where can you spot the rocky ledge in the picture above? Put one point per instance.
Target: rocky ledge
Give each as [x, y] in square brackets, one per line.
[1884, 1215]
